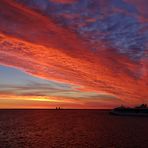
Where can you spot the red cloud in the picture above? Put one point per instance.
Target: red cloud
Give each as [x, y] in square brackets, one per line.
[39, 46]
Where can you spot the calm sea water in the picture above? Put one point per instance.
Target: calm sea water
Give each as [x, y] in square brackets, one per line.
[71, 129]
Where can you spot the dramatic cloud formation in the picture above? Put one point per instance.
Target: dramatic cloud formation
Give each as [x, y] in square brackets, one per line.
[98, 46]
[20, 90]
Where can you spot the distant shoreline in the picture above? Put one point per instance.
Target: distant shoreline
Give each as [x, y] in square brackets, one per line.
[50, 109]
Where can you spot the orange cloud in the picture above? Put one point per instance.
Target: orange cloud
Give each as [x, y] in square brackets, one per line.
[38, 45]
[19, 101]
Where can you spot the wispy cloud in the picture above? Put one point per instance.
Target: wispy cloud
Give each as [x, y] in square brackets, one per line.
[106, 55]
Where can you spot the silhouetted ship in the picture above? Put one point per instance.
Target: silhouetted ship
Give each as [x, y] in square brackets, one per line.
[141, 110]
[58, 108]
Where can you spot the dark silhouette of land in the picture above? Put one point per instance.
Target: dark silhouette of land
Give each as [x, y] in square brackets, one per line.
[141, 110]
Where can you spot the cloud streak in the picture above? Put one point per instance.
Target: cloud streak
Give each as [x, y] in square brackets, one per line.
[100, 60]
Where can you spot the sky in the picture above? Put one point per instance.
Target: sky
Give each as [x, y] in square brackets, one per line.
[73, 53]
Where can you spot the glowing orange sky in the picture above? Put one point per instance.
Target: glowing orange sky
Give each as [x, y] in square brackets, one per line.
[38, 45]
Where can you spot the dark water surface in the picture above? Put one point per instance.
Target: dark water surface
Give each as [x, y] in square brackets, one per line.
[71, 129]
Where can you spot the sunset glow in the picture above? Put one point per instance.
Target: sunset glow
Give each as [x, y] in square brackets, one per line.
[53, 53]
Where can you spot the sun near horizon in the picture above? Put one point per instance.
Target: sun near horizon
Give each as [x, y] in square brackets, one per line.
[73, 54]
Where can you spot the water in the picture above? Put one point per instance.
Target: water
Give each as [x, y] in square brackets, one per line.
[71, 129]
